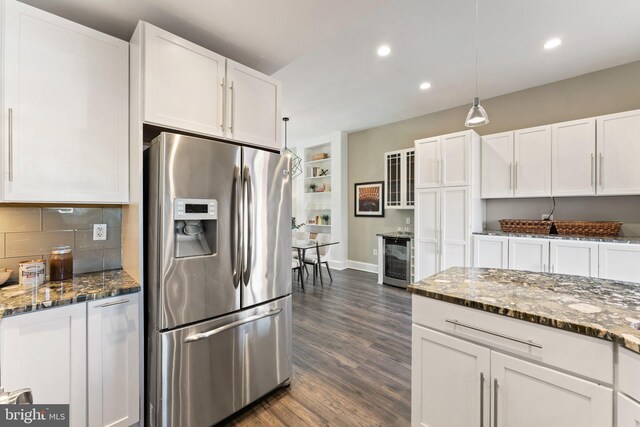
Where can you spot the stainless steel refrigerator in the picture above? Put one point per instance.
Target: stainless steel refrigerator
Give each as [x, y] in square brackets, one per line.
[218, 278]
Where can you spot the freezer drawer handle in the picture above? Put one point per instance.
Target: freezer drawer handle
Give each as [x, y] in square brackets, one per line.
[203, 335]
[495, 334]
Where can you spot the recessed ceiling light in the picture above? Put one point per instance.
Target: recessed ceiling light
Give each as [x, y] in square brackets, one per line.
[384, 50]
[550, 44]
[425, 85]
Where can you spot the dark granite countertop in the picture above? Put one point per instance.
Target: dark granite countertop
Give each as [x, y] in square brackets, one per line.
[618, 239]
[397, 235]
[16, 299]
[594, 307]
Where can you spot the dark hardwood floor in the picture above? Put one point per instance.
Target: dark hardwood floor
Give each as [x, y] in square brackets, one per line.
[351, 358]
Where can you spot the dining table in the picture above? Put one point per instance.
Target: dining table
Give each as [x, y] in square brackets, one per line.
[304, 245]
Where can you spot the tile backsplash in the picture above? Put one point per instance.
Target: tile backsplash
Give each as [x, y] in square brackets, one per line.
[31, 233]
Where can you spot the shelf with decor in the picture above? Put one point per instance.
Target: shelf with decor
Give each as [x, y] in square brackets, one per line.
[315, 162]
[317, 177]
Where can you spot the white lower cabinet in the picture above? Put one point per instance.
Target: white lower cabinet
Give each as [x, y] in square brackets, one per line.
[47, 352]
[490, 252]
[450, 381]
[619, 261]
[628, 412]
[574, 257]
[529, 254]
[113, 361]
[86, 355]
[528, 395]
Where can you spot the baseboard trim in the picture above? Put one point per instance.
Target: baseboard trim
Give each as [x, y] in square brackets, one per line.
[338, 265]
[362, 266]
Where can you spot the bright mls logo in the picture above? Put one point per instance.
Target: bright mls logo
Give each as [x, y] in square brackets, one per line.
[34, 415]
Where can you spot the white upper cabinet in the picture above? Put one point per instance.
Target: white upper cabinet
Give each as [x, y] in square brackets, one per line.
[455, 161]
[428, 165]
[399, 178]
[532, 162]
[497, 165]
[573, 158]
[618, 140]
[253, 107]
[190, 88]
[183, 83]
[66, 115]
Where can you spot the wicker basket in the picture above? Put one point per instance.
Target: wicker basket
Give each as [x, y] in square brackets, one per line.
[589, 228]
[320, 156]
[529, 226]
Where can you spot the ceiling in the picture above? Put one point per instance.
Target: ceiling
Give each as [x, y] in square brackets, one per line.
[324, 51]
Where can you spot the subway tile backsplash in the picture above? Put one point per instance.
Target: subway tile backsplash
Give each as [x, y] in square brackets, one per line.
[31, 233]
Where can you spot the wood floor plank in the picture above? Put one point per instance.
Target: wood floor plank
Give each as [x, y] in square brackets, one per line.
[351, 357]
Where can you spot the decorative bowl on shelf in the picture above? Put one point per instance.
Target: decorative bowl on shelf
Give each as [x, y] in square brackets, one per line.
[5, 274]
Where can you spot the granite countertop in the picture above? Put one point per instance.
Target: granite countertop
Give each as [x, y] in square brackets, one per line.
[397, 235]
[618, 239]
[594, 307]
[16, 299]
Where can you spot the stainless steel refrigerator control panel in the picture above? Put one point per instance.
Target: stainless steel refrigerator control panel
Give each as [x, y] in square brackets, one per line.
[195, 209]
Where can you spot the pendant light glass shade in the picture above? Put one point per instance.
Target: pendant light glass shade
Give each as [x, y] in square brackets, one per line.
[477, 116]
[296, 162]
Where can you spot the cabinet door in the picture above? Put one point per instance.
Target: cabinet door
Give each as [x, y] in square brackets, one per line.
[427, 236]
[455, 231]
[66, 110]
[393, 172]
[572, 257]
[454, 149]
[449, 381]
[490, 252]
[183, 84]
[497, 165]
[528, 254]
[628, 412]
[573, 158]
[529, 395]
[113, 361]
[253, 109]
[533, 162]
[46, 351]
[619, 261]
[428, 165]
[618, 141]
[410, 180]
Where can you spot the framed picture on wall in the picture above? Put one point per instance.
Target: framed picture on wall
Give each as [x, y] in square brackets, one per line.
[369, 199]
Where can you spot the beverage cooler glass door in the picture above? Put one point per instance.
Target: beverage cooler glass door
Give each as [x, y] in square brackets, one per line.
[199, 259]
[267, 227]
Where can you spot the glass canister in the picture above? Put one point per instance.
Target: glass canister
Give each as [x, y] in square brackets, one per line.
[61, 264]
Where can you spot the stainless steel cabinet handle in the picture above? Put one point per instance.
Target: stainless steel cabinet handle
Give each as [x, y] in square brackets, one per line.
[246, 274]
[510, 175]
[236, 250]
[600, 171]
[203, 335]
[495, 402]
[109, 304]
[593, 171]
[10, 144]
[495, 334]
[441, 171]
[515, 177]
[233, 106]
[222, 108]
[481, 399]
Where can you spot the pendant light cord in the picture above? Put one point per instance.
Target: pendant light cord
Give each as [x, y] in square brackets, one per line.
[477, 32]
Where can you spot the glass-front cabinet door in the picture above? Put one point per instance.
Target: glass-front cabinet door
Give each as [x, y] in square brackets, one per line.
[399, 179]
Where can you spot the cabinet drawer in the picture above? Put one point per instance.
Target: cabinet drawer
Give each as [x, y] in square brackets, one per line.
[586, 356]
[628, 373]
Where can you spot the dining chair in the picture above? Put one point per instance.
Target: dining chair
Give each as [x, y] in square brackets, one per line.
[312, 258]
[295, 265]
[299, 235]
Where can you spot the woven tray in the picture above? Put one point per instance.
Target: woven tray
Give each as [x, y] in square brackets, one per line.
[589, 228]
[529, 226]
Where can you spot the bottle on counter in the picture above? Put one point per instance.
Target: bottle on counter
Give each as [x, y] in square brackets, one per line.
[61, 264]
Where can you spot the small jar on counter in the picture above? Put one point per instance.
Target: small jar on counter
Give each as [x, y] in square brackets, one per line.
[61, 264]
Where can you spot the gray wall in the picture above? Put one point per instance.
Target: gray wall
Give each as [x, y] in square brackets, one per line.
[30, 232]
[603, 92]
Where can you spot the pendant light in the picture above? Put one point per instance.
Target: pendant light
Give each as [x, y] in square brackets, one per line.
[477, 116]
[296, 162]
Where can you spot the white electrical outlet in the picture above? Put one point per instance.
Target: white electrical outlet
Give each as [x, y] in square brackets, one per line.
[408, 221]
[99, 231]
[547, 216]
[375, 252]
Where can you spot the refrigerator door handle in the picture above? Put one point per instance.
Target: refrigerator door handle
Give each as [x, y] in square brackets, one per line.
[236, 250]
[246, 273]
[203, 335]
